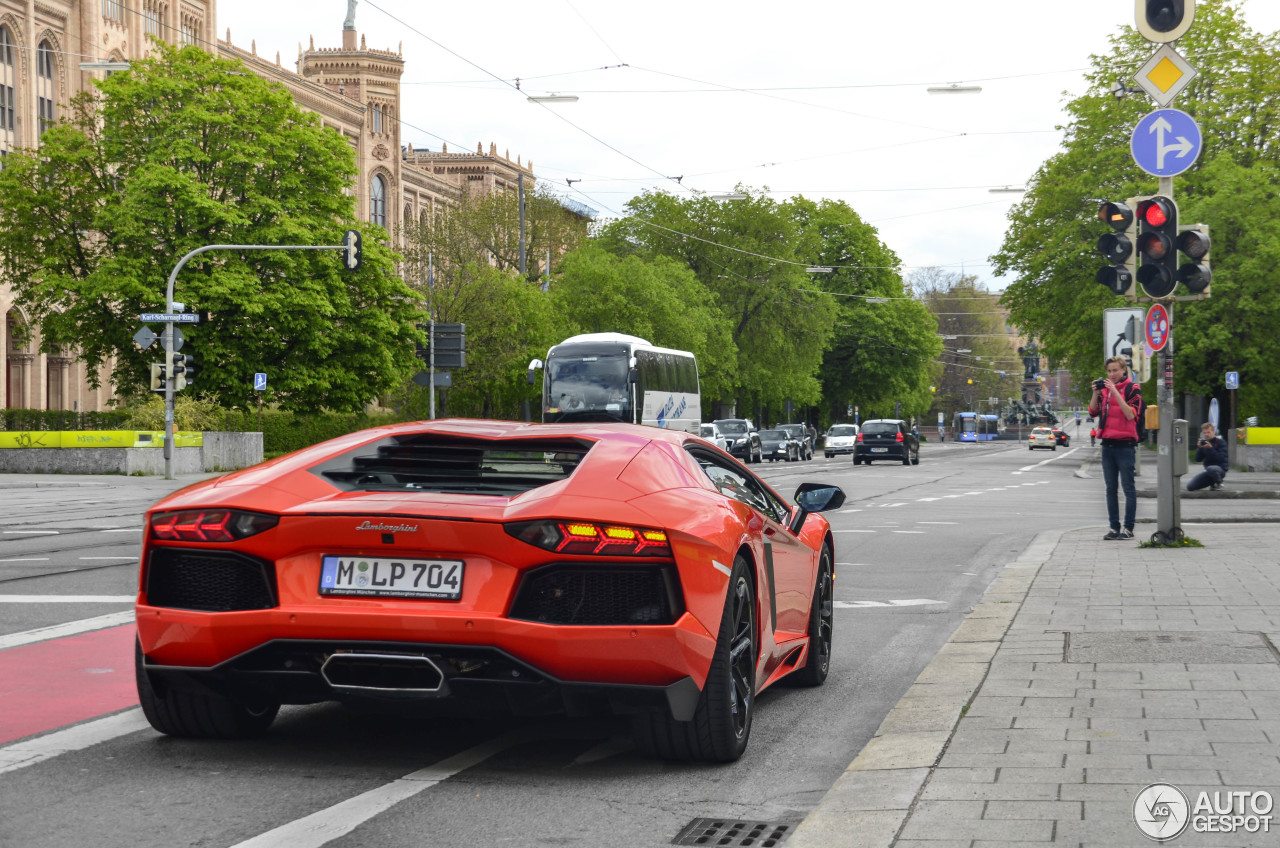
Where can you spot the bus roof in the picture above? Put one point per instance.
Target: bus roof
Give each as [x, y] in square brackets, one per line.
[615, 339]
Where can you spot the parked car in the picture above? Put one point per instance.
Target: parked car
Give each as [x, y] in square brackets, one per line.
[1042, 437]
[711, 433]
[802, 434]
[779, 444]
[1060, 437]
[886, 438]
[839, 440]
[404, 565]
[744, 441]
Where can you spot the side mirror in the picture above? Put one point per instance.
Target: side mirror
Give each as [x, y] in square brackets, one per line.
[534, 365]
[814, 497]
[633, 376]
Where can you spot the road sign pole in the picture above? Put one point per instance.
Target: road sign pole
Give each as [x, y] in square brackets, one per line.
[431, 339]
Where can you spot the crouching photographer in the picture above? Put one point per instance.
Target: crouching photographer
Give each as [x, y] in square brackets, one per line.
[1211, 451]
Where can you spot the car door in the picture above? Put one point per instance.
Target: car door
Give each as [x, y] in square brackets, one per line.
[788, 567]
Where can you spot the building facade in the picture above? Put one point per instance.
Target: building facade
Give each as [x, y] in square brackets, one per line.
[353, 89]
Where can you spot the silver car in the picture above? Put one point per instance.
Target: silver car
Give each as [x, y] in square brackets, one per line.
[712, 434]
[839, 440]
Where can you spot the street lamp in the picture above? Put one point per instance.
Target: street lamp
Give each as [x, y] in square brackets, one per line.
[954, 88]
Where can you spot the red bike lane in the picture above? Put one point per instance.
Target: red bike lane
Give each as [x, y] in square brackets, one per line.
[51, 684]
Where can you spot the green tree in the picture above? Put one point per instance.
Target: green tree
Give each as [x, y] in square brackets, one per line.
[1049, 246]
[182, 151]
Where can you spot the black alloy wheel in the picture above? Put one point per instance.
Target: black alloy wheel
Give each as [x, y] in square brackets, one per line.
[821, 626]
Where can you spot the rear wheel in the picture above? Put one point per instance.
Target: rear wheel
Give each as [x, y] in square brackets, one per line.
[721, 722]
[821, 621]
[915, 458]
[201, 715]
[906, 456]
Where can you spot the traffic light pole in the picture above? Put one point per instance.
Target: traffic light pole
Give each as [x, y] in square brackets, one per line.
[1168, 504]
[168, 327]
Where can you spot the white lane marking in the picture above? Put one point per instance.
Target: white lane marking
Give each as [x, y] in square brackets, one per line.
[32, 751]
[124, 530]
[900, 503]
[329, 824]
[968, 574]
[907, 531]
[974, 493]
[926, 500]
[26, 559]
[912, 602]
[846, 511]
[728, 572]
[67, 599]
[937, 522]
[70, 628]
[111, 557]
[31, 532]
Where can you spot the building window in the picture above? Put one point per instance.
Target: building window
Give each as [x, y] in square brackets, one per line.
[151, 17]
[378, 201]
[377, 118]
[113, 10]
[44, 86]
[190, 31]
[8, 97]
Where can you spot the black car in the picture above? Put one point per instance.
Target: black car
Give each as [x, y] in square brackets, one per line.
[779, 444]
[800, 433]
[744, 441]
[1061, 438]
[886, 438]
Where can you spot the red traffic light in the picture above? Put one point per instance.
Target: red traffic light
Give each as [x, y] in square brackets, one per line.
[1155, 211]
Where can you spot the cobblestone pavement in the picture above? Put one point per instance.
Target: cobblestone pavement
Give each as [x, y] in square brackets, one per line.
[1090, 671]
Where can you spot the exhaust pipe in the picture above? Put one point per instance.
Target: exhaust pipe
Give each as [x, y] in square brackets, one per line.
[382, 674]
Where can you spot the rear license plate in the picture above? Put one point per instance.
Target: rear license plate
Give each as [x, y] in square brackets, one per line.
[879, 450]
[440, 579]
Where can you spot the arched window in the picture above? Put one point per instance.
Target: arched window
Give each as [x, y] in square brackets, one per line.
[377, 118]
[378, 201]
[8, 77]
[44, 86]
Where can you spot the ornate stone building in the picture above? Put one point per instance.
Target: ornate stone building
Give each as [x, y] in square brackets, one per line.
[354, 89]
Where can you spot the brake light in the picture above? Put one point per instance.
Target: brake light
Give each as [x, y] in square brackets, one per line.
[898, 438]
[859, 438]
[209, 525]
[591, 538]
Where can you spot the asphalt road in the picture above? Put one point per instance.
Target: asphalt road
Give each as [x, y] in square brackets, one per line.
[915, 547]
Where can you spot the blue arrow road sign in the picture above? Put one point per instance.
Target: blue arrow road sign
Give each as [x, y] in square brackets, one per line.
[259, 381]
[1166, 142]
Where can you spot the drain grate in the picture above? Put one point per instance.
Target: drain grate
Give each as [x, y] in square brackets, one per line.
[735, 832]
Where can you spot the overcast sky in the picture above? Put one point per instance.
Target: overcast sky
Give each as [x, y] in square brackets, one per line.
[824, 99]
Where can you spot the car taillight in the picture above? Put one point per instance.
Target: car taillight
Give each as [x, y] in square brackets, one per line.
[898, 438]
[587, 537]
[209, 525]
[859, 438]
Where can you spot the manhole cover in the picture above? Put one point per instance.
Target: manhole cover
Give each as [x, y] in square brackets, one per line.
[735, 832]
[1161, 646]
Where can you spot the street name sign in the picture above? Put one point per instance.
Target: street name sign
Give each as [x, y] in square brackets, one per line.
[1166, 142]
[171, 317]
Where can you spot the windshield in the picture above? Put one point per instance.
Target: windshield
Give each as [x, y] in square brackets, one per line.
[587, 387]
[708, 432]
[793, 429]
[843, 430]
[732, 428]
[773, 435]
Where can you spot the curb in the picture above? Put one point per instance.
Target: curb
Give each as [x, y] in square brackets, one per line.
[869, 804]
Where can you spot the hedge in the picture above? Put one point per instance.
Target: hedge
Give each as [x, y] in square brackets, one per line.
[26, 420]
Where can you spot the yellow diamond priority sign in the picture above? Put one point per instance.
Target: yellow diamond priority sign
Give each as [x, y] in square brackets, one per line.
[1165, 75]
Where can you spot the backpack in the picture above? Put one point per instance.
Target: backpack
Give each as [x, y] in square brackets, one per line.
[1139, 419]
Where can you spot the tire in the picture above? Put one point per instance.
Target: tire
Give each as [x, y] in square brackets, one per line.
[915, 458]
[826, 455]
[199, 715]
[906, 457]
[721, 724]
[821, 626]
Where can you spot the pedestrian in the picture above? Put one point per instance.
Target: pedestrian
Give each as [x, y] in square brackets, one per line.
[1093, 436]
[1114, 402]
[1211, 451]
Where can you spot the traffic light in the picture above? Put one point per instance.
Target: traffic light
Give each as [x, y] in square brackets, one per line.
[1195, 275]
[1163, 21]
[1157, 245]
[1117, 247]
[352, 253]
[183, 370]
[159, 374]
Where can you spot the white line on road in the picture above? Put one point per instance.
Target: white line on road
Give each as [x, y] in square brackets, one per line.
[28, 753]
[124, 530]
[70, 628]
[907, 531]
[329, 824]
[913, 602]
[67, 599]
[26, 559]
[926, 500]
[30, 532]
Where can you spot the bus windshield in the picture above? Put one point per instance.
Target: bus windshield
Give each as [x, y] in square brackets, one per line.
[587, 387]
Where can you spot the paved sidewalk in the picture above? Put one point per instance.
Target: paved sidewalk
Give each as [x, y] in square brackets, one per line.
[1089, 671]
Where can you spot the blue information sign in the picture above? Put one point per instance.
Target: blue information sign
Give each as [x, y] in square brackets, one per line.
[259, 381]
[1166, 142]
[1233, 379]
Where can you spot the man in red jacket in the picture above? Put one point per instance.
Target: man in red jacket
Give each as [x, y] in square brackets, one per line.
[1115, 404]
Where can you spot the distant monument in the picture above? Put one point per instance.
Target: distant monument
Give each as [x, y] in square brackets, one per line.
[350, 22]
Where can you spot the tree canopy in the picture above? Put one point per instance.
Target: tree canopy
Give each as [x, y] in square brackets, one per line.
[186, 150]
[1050, 245]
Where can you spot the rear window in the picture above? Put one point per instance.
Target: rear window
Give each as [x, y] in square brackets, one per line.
[843, 430]
[773, 435]
[708, 432]
[879, 428]
[434, 463]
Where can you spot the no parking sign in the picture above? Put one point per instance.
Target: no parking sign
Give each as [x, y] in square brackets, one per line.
[1157, 326]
